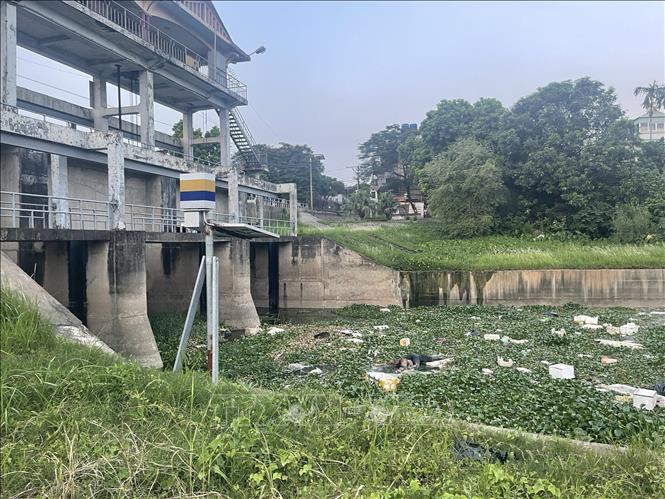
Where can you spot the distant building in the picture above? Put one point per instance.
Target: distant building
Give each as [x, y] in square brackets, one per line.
[651, 129]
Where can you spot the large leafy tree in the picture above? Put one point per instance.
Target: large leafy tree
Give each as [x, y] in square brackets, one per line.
[554, 139]
[289, 163]
[469, 191]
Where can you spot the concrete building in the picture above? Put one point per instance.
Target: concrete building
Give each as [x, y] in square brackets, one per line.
[651, 128]
[89, 201]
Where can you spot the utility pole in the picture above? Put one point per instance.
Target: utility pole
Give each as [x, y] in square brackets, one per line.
[320, 157]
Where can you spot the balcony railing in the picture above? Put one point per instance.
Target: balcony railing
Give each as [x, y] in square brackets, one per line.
[162, 43]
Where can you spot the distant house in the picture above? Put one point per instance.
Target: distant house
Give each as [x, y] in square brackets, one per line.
[653, 129]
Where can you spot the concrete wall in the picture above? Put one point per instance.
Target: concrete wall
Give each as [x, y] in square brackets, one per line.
[616, 287]
[170, 276]
[259, 275]
[316, 273]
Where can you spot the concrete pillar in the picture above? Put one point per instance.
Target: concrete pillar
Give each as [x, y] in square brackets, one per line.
[10, 181]
[98, 103]
[116, 181]
[259, 210]
[234, 201]
[58, 189]
[116, 296]
[187, 134]
[161, 193]
[224, 138]
[236, 307]
[8, 53]
[56, 271]
[147, 108]
[292, 190]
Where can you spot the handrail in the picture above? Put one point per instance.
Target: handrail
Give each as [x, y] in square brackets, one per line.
[163, 43]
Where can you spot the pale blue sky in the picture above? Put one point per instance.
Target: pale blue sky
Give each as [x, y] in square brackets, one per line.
[334, 72]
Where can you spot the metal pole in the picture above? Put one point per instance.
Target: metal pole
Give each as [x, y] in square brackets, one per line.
[191, 313]
[311, 191]
[209, 292]
[215, 320]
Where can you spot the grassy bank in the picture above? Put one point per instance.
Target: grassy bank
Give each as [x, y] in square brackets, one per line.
[420, 246]
[77, 423]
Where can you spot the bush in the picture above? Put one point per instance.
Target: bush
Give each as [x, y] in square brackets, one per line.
[632, 223]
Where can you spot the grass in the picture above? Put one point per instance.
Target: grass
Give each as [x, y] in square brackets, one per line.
[420, 246]
[573, 409]
[78, 423]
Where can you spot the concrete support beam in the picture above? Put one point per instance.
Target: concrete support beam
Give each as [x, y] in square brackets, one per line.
[56, 275]
[147, 108]
[224, 138]
[126, 110]
[171, 270]
[116, 181]
[236, 306]
[188, 133]
[8, 53]
[59, 188]
[259, 210]
[234, 201]
[116, 296]
[98, 103]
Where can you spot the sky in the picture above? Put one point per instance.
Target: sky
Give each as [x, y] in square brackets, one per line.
[334, 72]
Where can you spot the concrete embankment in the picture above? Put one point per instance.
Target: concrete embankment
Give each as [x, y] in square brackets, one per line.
[66, 324]
[315, 274]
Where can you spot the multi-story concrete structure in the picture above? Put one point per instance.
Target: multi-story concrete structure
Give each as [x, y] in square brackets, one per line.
[651, 128]
[82, 196]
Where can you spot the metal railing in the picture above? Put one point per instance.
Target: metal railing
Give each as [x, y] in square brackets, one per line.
[38, 211]
[162, 43]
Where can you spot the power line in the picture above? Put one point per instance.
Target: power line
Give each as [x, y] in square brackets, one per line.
[52, 67]
[54, 87]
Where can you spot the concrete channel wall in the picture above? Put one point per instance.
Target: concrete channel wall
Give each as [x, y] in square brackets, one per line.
[316, 274]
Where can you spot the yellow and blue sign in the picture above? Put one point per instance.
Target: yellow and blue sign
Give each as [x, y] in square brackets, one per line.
[197, 191]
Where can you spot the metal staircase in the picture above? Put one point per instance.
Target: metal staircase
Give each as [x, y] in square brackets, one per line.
[244, 141]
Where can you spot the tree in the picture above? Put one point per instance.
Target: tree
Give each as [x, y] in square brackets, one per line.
[450, 121]
[385, 204]
[383, 152]
[203, 152]
[359, 203]
[654, 98]
[289, 163]
[552, 142]
[469, 191]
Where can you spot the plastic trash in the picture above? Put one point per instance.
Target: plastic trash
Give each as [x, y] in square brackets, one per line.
[492, 337]
[559, 332]
[504, 363]
[357, 341]
[592, 326]
[473, 333]
[629, 328]
[585, 319]
[487, 371]
[438, 363]
[523, 370]
[463, 449]
[660, 388]
[274, 330]
[608, 360]
[518, 342]
[384, 310]
[562, 371]
[382, 327]
[620, 344]
[404, 342]
[644, 399]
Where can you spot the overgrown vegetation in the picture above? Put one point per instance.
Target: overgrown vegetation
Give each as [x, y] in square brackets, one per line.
[420, 246]
[561, 158]
[78, 423]
[508, 398]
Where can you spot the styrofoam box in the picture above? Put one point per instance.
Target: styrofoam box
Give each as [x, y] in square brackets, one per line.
[562, 371]
[644, 399]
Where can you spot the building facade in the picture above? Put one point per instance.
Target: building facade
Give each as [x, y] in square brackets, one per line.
[651, 128]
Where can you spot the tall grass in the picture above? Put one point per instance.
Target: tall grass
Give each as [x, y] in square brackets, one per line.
[420, 246]
[75, 422]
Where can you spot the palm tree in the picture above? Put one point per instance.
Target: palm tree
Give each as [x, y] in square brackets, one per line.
[654, 98]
